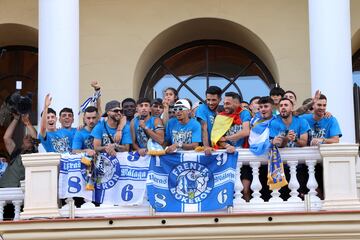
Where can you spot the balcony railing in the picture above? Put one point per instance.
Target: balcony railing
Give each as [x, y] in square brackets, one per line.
[339, 181]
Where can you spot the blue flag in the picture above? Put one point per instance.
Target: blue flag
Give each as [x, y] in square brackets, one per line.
[191, 182]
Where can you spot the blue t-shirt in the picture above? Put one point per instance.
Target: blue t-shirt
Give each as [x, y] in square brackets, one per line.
[298, 125]
[184, 133]
[83, 140]
[126, 134]
[140, 134]
[245, 116]
[99, 132]
[204, 113]
[58, 141]
[325, 128]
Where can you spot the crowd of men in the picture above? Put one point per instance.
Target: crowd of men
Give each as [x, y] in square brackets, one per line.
[175, 124]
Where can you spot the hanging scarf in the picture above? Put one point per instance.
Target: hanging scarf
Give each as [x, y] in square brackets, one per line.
[259, 135]
[91, 101]
[276, 175]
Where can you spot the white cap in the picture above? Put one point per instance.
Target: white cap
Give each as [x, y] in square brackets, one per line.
[182, 103]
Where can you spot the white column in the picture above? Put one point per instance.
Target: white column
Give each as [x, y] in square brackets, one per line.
[59, 54]
[330, 59]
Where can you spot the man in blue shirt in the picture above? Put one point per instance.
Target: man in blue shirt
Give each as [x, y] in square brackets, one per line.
[104, 132]
[206, 114]
[145, 126]
[128, 110]
[83, 141]
[182, 132]
[56, 140]
[288, 130]
[323, 129]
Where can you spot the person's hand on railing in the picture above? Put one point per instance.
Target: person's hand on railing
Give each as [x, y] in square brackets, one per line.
[208, 150]
[277, 141]
[170, 149]
[142, 151]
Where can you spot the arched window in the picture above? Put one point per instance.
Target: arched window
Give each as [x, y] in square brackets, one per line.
[193, 67]
[356, 89]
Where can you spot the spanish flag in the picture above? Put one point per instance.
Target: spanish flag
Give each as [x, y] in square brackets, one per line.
[222, 123]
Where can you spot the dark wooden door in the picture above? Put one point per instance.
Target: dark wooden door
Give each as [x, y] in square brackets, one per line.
[18, 63]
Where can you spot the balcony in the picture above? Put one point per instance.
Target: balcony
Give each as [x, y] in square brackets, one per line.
[337, 215]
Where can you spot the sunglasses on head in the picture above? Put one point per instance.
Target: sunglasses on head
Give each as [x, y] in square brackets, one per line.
[177, 109]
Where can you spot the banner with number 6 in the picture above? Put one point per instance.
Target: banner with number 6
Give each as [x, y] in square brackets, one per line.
[121, 180]
[191, 182]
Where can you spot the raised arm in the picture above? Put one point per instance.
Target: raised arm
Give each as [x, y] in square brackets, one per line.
[9, 142]
[29, 127]
[95, 84]
[304, 108]
[44, 115]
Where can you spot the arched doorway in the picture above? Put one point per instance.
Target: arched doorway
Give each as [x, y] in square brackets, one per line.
[192, 67]
[18, 64]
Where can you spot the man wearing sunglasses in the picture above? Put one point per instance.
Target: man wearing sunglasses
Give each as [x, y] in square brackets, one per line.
[182, 132]
[323, 129]
[105, 131]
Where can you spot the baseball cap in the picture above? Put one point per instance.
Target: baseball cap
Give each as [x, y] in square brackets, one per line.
[182, 103]
[157, 101]
[111, 105]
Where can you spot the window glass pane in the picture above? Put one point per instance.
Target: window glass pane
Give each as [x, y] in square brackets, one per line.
[356, 77]
[191, 61]
[221, 61]
[227, 61]
[222, 83]
[165, 82]
[252, 86]
[198, 85]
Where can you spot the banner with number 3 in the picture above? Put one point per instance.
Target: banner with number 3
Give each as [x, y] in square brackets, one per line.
[121, 180]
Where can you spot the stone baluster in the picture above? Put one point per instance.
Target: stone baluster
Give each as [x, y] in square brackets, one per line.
[87, 204]
[312, 183]
[238, 185]
[2, 205]
[275, 196]
[17, 206]
[256, 184]
[294, 183]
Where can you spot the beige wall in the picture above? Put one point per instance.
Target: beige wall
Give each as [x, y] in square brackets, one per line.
[115, 36]
[18, 22]
[355, 25]
[120, 40]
